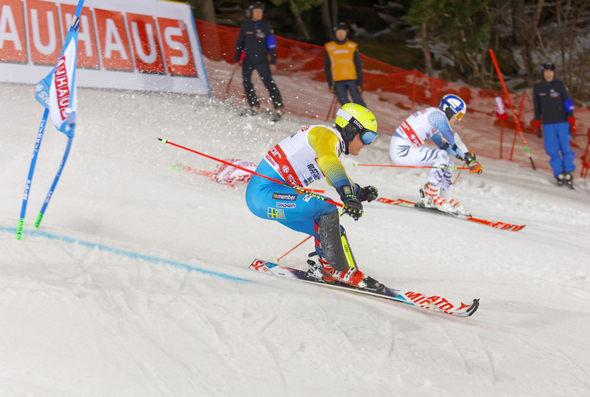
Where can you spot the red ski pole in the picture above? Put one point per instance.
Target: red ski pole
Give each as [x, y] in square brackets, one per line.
[292, 249]
[298, 189]
[409, 166]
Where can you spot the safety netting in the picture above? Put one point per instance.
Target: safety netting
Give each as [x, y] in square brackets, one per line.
[391, 93]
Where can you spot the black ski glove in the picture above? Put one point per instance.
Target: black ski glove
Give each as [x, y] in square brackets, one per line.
[469, 157]
[352, 205]
[367, 193]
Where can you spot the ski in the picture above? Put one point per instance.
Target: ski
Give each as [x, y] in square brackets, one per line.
[411, 298]
[208, 174]
[494, 224]
[212, 175]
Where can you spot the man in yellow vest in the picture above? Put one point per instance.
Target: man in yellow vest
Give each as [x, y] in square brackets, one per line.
[343, 67]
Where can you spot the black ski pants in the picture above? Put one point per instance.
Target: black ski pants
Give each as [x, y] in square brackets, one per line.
[264, 72]
[341, 87]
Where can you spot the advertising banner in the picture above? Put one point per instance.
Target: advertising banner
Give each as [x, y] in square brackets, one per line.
[147, 45]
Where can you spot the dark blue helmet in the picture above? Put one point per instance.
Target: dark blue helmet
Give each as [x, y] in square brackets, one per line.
[258, 5]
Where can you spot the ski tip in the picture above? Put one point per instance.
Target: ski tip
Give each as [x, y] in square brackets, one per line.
[163, 140]
[473, 308]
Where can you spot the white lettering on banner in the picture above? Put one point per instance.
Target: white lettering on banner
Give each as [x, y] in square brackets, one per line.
[148, 52]
[8, 31]
[151, 58]
[177, 45]
[62, 88]
[149, 48]
[117, 44]
[43, 49]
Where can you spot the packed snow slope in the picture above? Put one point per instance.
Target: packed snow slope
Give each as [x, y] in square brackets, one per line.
[137, 281]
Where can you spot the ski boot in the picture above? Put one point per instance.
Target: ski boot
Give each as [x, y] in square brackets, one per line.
[569, 180]
[431, 199]
[277, 115]
[314, 273]
[560, 179]
[458, 209]
[253, 111]
[350, 277]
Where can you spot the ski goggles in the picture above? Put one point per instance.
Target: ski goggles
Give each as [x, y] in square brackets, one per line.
[459, 115]
[548, 66]
[368, 136]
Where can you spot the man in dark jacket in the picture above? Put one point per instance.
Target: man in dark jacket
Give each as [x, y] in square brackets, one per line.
[257, 40]
[343, 67]
[554, 105]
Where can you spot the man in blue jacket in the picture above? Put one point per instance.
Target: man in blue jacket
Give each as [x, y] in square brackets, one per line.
[554, 105]
[257, 40]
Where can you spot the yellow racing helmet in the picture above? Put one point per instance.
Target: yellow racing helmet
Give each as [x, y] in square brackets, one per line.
[352, 119]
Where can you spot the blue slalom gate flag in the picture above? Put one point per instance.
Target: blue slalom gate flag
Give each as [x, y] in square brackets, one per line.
[57, 93]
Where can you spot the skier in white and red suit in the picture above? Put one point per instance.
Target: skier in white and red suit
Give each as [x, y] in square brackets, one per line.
[313, 153]
[407, 148]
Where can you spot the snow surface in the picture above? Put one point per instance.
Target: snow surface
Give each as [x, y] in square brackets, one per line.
[137, 282]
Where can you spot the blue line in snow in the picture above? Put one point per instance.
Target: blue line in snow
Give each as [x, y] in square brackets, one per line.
[124, 253]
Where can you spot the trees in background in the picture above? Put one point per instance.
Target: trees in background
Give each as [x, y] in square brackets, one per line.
[523, 33]
[529, 33]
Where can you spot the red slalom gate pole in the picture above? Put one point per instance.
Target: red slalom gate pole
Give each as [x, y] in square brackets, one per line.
[409, 166]
[299, 190]
[512, 108]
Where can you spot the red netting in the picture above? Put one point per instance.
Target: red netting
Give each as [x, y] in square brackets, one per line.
[390, 92]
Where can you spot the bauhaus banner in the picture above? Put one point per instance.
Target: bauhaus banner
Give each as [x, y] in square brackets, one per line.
[127, 44]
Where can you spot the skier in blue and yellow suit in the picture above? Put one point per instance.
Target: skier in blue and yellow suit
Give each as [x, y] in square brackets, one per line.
[316, 152]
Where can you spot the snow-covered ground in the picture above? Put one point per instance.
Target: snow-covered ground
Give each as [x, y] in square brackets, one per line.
[137, 282]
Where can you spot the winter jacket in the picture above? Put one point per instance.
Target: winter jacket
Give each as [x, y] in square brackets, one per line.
[256, 38]
[552, 101]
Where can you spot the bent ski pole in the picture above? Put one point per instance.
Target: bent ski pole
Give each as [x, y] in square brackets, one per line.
[299, 190]
[409, 166]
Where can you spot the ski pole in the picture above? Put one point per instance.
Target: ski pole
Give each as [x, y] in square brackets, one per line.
[293, 249]
[307, 238]
[299, 190]
[457, 177]
[242, 56]
[409, 166]
[512, 108]
[230, 80]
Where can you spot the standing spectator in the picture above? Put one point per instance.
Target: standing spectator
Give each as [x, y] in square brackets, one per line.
[554, 105]
[343, 67]
[257, 40]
